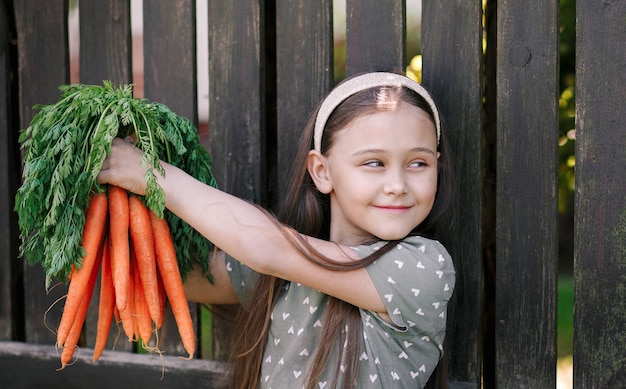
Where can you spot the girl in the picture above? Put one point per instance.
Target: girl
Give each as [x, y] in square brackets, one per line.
[345, 288]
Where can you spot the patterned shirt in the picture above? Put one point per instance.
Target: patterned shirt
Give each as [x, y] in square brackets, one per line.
[415, 281]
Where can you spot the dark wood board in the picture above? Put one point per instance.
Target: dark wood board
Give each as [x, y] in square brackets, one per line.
[600, 207]
[452, 70]
[526, 198]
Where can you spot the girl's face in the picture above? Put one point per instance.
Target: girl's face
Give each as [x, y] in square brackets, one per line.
[381, 175]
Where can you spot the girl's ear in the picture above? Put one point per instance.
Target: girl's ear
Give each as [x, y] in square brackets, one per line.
[317, 165]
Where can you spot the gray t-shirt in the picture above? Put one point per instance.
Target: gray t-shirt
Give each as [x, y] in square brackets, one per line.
[415, 281]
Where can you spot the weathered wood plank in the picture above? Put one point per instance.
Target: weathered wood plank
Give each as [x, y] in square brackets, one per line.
[526, 200]
[41, 39]
[375, 36]
[170, 70]
[235, 105]
[458, 91]
[105, 41]
[600, 212]
[298, 92]
[31, 366]
[236, 119]
[170, 75]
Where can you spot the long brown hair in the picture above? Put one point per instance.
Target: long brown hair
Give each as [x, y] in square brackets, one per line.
[304, 209]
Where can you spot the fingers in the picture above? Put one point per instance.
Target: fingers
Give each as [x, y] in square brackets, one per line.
[104, 177]
[122, 167]
[119, 141]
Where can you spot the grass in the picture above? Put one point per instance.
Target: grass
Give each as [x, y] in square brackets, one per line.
[206, 320]
[565, 332]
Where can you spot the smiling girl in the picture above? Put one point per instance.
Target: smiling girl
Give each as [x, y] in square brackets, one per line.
[347, 286]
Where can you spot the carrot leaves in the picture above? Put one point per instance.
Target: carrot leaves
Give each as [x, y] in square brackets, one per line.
[64, 148]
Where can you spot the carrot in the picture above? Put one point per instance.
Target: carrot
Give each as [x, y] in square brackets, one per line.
[162, 300]
[106, 306]
[118, 322]
[127, 315]
[77, 326]
[120, 254]
[93, 234]
[143, 243]
[167, 265]
[142, 315]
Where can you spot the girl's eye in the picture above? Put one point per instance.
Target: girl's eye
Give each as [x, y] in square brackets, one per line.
[373, 163]
[417, 164]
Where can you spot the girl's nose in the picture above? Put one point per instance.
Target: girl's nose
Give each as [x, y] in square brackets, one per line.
[395, 183]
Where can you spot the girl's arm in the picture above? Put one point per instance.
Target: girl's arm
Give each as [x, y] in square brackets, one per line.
[198, 289]
[242, 230]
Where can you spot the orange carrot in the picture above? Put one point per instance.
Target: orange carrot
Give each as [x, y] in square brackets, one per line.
[93, 234]
[167, 265]
[162, 300]
[142, 315]
[127, 315]
[143, 243]
[120, 254]
[77, 326]
[107, 303]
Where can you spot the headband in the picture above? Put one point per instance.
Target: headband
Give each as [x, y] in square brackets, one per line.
[361, 83]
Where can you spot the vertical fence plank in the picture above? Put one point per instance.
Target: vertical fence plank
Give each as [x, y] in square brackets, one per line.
[170, 75]
[105, 54]
[42, 39]
[304, 71]
[170, 70]
[236, 122]
[458, 90]
[375, 36]
[235, 117]
[105, 41]
[600, 213]
[526, 264]
[10, 272]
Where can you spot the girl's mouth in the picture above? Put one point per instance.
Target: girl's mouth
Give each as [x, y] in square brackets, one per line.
[393, 208]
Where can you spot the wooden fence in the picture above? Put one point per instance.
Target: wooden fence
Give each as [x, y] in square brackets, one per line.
[269, 63]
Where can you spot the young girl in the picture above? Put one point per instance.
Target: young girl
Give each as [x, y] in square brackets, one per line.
[345, 288]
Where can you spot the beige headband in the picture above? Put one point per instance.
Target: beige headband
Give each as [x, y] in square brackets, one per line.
[361, 83]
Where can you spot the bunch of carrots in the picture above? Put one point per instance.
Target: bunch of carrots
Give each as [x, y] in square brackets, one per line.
[132, 251]
[76, 235]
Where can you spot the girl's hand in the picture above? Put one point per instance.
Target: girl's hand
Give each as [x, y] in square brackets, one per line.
[122, 167]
